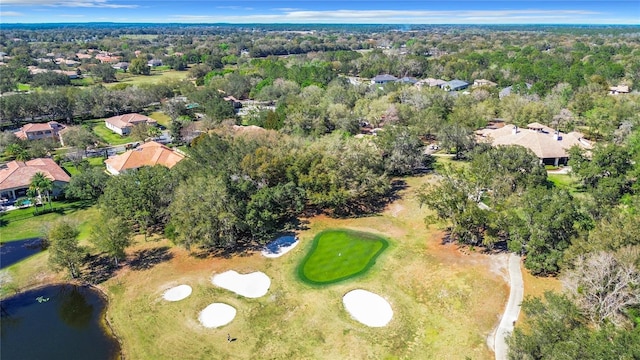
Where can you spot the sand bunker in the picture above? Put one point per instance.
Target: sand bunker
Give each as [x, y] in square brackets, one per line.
[177, 293]
[368, 308]
[216, 315]
[280, 246]
[252, 285]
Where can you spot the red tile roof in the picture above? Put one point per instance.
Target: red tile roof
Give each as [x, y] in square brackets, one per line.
[18, 174]
[148, 154]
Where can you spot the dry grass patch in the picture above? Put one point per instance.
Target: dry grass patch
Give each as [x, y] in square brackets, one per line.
[445, 303]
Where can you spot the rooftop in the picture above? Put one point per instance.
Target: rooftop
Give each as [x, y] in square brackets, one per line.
[18, 174]
[148, 154]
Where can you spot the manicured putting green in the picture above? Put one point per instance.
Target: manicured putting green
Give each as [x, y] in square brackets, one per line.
[337, 255]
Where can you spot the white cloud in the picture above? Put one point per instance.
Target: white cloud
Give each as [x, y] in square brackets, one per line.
[405, 17]
[70, 3]
[10, 13]
[233, 7]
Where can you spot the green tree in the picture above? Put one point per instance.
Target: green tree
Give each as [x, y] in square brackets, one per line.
[140, 197]
[88, 184]
[542, 227]
[111, 235]
[456, 137]
[403, 152]
[204, 213]
[139, 66]
[42, 184]
[64, 250]
[558, 330]
[104, 72]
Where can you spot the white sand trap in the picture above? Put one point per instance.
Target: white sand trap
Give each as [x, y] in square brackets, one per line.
[177, 293]
[252, 285]
[280, 246]
[216, 315]
[368, 308]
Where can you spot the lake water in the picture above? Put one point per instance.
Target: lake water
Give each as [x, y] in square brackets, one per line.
[56, 322]
[15, 251]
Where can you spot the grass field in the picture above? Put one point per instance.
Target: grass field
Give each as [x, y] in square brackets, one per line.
[162, 118]
[156, 77]
[23, 223]
[445, 302]
[337, 255]
[106, 135]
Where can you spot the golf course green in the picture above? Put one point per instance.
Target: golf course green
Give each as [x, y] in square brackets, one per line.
[337, 255]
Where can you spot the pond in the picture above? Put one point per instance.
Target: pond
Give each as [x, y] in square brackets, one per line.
[56, 322]
[16, 251]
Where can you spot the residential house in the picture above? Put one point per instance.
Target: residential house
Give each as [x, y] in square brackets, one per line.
[454, 85]
[122, 124]
[620, 89]
[123, 65]
[50, 130]
[484, 82]
[148, 154]
[154, 62]
[408, 80]
[549, 145]
[233, 101]
[383, 79]
[15, 177]
[430, 82]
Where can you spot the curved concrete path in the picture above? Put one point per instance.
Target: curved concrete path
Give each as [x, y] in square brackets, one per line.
[512, 311]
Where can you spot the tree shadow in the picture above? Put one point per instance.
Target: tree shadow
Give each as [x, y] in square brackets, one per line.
[241, 248]
[98, 269]
[371, 206]
[148, 258]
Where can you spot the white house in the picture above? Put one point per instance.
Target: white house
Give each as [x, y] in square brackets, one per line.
[122, 124]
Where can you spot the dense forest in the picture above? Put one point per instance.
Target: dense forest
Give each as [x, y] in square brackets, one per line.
[304, 156]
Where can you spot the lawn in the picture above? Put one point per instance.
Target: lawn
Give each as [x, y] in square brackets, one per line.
[23, 223]
[162, 118]
[567, 182]
[337, 255]
[93, 162]
[108, 136]
[156, 77]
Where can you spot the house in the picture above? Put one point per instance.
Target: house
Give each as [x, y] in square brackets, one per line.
[15, 177]
[123, 65]
[148, 154]
[509, 89]
[154, 62]
[620, 89]
[430, 82]
[549, 145]
[50, 130]
[484, 82]
[407, 80]
[454, 85]
[122, 124]
[383, 79]
[233, 101]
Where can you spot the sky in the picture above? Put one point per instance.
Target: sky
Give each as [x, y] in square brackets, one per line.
[589, 12]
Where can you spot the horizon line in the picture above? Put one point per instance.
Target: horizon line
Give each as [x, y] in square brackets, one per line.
[313, 23]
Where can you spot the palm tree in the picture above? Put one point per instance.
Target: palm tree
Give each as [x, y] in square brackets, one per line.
[41, 183]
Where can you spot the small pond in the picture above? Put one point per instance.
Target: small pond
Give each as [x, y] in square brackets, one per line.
[56, 322]
[16, 251]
